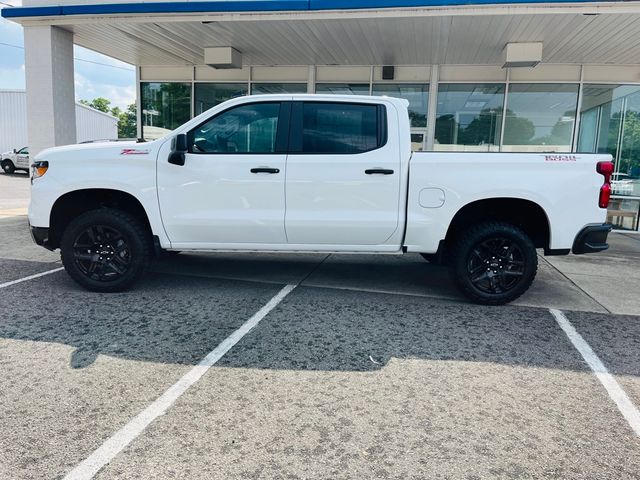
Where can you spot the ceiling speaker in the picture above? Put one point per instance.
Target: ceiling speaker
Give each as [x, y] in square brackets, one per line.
[388, 72]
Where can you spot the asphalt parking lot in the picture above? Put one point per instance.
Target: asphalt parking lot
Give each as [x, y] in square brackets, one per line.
[363, 367]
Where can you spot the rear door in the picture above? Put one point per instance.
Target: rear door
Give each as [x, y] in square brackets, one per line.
[343, 174]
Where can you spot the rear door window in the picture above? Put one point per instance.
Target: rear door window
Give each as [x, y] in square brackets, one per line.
[339, 128]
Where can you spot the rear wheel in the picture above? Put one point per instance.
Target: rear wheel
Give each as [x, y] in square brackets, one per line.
[493, 263]
[8, 166]
[105, 250]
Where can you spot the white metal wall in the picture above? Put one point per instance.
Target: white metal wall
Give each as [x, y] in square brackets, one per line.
[94, 125]
[13, 120]
[90, 124]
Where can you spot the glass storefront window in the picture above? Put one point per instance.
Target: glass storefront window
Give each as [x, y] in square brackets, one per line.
[624, 212]
[418, 97]
[469, 117]
[628, 162]
[266, 88]
[165, 106]
[540, 117]
[600, 118]
[343, 88]
[610, 123]
[208, 95]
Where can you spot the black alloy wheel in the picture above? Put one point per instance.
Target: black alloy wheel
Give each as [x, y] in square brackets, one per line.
[496, 265]
[102, 253]
[106, 250]
[493, 263]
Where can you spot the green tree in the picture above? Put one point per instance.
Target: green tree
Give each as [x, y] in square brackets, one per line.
[561, 131]
[630, 148]
[99, 103]
[126, 119]
[518, 131]
[483, 129]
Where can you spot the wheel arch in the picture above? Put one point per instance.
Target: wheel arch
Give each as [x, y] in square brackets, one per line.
[525, 214]
[76, 202]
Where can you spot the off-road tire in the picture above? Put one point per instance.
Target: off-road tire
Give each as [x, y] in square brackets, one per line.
[134, 233]
[463, 257]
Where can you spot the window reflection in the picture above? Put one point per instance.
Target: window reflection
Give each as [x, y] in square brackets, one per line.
[208, 95]
[540, 117]
[343, 88]
[267, 88]
[610, 123]
[418, 97]
[339, 128]
[469, 117]
[165, 106]
[243, 129]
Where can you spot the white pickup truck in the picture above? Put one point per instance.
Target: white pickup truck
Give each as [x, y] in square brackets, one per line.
[311, 173]
[15, 160]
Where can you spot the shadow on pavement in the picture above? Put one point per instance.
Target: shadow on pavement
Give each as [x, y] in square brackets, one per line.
[179, 319]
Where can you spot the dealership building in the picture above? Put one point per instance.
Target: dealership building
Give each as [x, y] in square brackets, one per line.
[479, 75]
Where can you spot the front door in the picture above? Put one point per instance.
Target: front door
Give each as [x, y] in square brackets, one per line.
[343, 175]
[22, 158]
[230, 189]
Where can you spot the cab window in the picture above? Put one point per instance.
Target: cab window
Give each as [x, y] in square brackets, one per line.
[250, 128]
[341, 128]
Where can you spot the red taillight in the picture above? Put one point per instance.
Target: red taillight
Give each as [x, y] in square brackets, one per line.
[605, 195]
[605, 169]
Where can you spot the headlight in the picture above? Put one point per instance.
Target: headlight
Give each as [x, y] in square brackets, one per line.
[38, 169]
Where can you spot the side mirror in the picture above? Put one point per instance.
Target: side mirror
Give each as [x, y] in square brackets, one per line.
[15, 151]
[179, 148]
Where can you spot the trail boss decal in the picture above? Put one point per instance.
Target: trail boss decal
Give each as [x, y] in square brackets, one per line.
[560, 158]
[133, 151]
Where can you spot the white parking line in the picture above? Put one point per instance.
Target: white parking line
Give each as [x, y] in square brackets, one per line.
[123, 437]
[30, 277]
[628, 410]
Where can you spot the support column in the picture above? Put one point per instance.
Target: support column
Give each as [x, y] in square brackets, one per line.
[311, 80]
[51, 107]
[429, 140]
[139, 102]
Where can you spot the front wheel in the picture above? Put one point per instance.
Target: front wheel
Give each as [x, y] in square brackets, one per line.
[493, 263]
[105, 250]
[8, 166]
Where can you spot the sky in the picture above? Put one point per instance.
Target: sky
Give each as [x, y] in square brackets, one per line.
[96, 75]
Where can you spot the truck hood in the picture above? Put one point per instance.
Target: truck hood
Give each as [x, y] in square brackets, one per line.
[101, 150]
